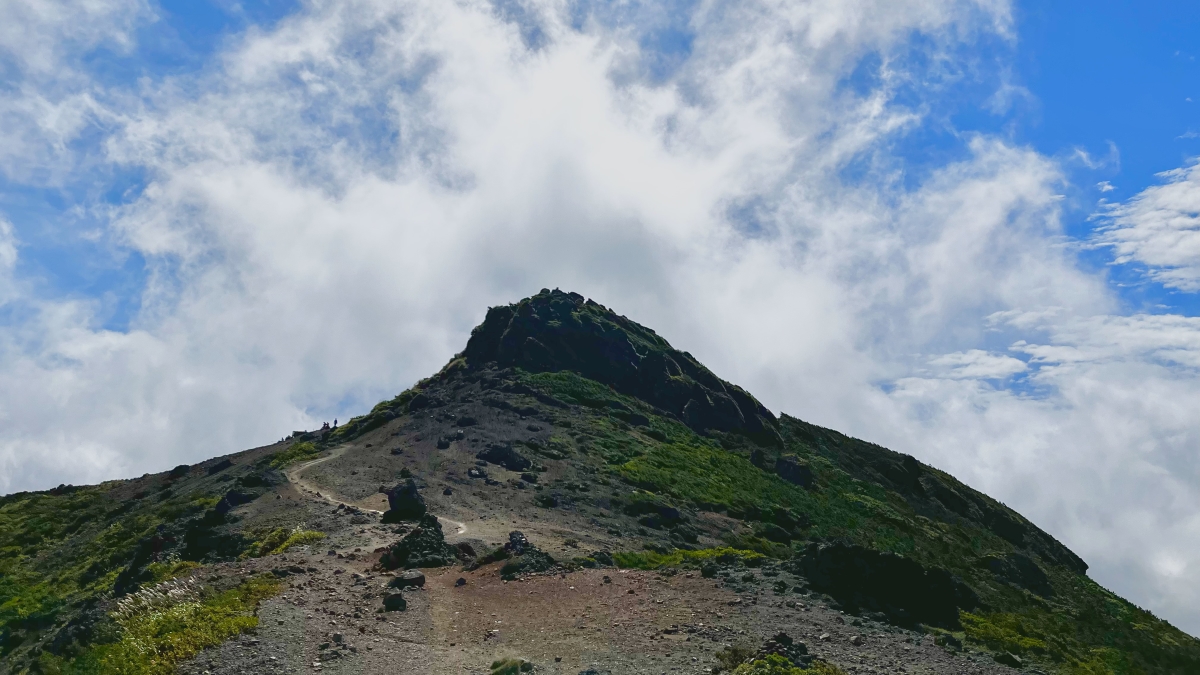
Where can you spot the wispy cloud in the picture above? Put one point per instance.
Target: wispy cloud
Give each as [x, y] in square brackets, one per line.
[1160, 228]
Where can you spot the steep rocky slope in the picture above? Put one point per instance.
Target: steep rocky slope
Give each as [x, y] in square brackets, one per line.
[580, 496]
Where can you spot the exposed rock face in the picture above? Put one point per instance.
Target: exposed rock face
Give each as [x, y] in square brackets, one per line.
[1021, 571]
[791, 469]
[425, 546]
[907, 592]
[404, 503]
[555, 331]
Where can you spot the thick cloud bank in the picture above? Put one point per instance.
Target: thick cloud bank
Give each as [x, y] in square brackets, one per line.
[329, 206]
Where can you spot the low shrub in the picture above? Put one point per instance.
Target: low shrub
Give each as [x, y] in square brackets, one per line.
[650, 560]
[161, 628]
[296, 452]
[281, 539]
[511, 667]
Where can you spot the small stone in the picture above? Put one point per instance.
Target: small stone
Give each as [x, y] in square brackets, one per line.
[856, 640]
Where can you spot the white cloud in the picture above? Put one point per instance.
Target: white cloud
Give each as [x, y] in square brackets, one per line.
[1108, 457]
[1160, 228]
[978, 364]
[333, 203]
[48, 100]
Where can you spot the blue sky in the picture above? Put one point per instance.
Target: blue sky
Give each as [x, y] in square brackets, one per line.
[936, 224]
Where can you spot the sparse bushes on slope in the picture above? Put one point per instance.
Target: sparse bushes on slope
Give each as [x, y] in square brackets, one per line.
[294, 454]
[171, 624]
[281, 539]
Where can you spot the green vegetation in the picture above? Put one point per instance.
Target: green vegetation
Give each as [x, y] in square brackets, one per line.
[650, 560]
[157, 634]
[165, 571]
[511, 667]
[281, 539]
[294, 454]
[777, 665]
[61, 549]
[1081, 628]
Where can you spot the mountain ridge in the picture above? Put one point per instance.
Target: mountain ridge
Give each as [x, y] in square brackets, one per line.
[624, 465]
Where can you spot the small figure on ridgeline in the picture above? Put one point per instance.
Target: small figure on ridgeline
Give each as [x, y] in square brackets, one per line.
[335, 423]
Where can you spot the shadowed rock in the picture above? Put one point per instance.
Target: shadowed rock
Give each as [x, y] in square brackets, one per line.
[425, 546]
[794, 471]
[404, 503]
[504, 455]
[1021, 571]
[908, 593]
[555, 331]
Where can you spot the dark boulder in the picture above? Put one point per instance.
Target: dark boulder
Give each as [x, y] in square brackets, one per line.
[425, 546]
[219, 467]
[795, 471]
[1022, 572]
[179, 471]
[408, 579]
[653, 512]
[504, 455]
[404, 503]
[862, 579]
[517, 543]
[524, 557]
[232, 500]
[394, 602]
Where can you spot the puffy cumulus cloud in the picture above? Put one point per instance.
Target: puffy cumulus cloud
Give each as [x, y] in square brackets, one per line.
[332, 204]
[1159, 228]
[1107, 460]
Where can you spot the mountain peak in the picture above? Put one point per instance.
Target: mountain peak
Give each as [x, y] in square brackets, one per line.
[556, 331]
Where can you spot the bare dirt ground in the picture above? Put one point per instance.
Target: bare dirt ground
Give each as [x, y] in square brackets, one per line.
[329, 618]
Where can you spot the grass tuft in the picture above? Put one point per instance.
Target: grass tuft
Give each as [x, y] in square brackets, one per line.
[295, 453]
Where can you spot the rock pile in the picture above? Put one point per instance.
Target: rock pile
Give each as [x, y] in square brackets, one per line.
[404, 503]
[425, 546]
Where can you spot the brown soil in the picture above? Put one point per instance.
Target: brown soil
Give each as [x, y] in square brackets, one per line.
[622, 621]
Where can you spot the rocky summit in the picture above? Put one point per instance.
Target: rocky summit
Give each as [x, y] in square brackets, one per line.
[570, 495]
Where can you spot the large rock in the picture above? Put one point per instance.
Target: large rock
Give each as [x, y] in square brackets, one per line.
[504, 455]
[1021, 571]
[425, 546]
[404, 503]
[554, 331]
[525, 557]
[394, 602]
[409, 579]
[862, 579]
[795, 471]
